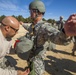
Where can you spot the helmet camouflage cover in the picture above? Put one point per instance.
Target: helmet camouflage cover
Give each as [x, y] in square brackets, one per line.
[37, 4]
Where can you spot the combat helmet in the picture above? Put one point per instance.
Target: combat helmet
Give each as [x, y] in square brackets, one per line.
[61, 17]
[37, 4]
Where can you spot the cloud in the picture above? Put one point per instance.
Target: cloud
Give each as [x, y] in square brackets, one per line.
[26, 7]
[7, 5]
[50, 13]
[48, 2]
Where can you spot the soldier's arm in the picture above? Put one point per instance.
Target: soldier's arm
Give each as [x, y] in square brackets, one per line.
[24, 25]
[65, 35]
[56, 36]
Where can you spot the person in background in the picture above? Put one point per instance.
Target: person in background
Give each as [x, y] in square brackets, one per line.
[60, 23]
[74, 46]
[8, 29]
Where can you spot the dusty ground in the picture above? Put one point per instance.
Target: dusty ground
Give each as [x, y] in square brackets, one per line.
[57, 62]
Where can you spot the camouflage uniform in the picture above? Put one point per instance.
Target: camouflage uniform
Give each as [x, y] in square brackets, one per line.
[42, 32]
[60, 23]
[51, 45]
[74, 47]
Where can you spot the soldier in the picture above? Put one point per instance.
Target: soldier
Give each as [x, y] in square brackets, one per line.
[74, 47]
[60, 23]
[9, 27]
[40, 32]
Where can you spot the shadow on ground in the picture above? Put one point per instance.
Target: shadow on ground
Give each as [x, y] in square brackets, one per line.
[13, 62]
[60, 66]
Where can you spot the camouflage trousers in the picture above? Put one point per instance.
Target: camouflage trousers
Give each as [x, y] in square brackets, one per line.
[37, 62]
[37, 66]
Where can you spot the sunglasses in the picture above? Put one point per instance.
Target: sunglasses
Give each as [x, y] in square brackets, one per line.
[33, 10]
[11, 27]
[14, 29]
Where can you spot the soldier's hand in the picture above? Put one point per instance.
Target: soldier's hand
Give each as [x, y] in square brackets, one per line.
[21, 23]
[70, 26]
[26, 72]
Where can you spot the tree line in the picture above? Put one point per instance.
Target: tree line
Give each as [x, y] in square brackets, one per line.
[27, 20]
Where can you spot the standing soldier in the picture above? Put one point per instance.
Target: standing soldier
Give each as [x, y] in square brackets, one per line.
[39, 33]
[74, 47]
[60, 23]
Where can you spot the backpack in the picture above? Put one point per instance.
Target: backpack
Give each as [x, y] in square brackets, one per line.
[23, 47]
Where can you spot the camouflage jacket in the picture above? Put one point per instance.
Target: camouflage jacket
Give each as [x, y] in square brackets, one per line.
[60, 25]
[44, 31]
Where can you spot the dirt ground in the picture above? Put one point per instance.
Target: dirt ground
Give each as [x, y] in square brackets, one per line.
[58, 61]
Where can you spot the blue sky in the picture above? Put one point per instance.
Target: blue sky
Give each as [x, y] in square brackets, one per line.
[54, 8]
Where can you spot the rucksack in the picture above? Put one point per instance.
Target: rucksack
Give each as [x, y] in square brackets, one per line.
[23, 47]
